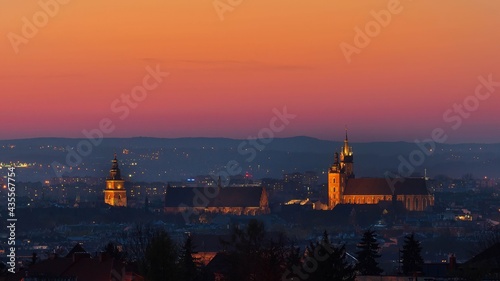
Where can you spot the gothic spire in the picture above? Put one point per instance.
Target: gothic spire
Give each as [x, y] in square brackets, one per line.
[346, 144]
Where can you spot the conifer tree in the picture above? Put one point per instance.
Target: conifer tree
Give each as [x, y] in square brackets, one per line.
[189, 264]
[368, 254]
[411, 255]
[326, 261]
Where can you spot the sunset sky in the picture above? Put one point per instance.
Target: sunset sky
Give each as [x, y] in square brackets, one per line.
[228, 70]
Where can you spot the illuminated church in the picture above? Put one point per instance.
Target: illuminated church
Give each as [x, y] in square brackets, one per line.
[344, 188]
[246, 200]
[115, 193]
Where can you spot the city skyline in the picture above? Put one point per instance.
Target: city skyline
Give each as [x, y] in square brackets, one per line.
[230, 67]
[250, 140]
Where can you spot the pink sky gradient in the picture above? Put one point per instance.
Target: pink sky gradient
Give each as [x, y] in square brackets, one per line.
[227, 76]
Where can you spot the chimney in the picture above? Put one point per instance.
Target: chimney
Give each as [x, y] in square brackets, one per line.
[453, 262]
[103, 256]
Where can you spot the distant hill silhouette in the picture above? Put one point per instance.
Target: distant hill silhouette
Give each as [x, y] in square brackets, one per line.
[161, 159]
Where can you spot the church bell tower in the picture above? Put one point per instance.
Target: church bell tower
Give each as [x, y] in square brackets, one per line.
[115, 193]
[335, 180]
[347, 159]
[339, 173]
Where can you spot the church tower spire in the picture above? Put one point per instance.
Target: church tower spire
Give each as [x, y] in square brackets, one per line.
[114, 173]
[347, 149]
[115, 193]
[347, 158]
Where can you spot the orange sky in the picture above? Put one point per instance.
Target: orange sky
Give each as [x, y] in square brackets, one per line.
[226, 76]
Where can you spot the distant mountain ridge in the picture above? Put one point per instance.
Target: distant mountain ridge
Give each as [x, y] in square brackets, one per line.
[165, 159]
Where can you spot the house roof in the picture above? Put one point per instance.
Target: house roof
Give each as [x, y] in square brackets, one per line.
[226, 197]
[490, 257]
[91, 269]
[221, 263]
[382, 186]
[76, 249]
[84, 268]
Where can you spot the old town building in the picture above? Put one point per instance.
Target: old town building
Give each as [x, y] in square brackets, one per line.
[344, 188]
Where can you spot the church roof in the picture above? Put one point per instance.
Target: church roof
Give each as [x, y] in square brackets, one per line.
[227, 197]
[382, 186]
[411, 186]
[367, 186]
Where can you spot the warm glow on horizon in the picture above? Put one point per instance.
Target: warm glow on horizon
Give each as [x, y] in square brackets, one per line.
[227, 74]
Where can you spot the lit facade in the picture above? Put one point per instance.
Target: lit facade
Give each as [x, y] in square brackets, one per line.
[115, 193]
[344, 188]
[339, 173]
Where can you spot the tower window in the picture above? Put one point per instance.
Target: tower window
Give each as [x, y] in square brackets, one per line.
[334, 180]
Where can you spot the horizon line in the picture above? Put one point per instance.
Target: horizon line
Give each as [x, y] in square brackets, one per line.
[242, 139]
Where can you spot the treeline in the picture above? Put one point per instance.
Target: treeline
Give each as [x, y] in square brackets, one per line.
[252, 253]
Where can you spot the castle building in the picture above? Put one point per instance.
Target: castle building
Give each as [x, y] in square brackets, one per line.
[344, 188]
[115, 193]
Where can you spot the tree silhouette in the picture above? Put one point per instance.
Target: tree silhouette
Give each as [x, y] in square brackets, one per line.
[136, 240]
[189, 265]
[153, 251]
[411, 255]
[34, 258]
[160, 258]
[368, 254]
[293, 263]
[325, 261]
[112, 250]
[255, 256]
